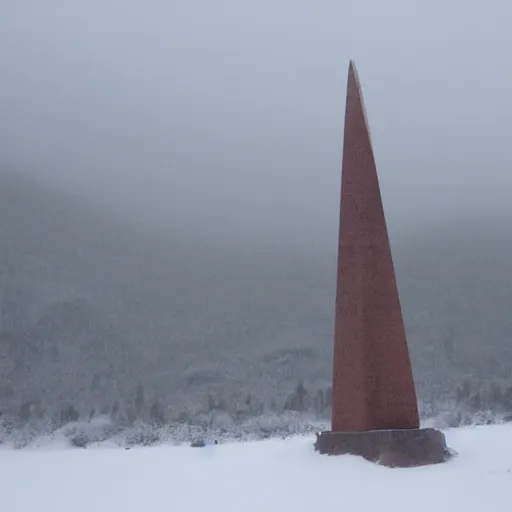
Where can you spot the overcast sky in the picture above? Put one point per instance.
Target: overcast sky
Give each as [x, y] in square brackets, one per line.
[228, 115]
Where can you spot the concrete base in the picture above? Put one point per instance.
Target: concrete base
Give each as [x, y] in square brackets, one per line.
[392, 448]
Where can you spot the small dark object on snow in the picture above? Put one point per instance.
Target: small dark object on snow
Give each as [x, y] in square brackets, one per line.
[201, 444]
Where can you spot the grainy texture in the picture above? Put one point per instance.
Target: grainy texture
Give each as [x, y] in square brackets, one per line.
[373, 387]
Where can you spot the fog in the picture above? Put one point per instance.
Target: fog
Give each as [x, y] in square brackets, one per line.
[227, 116]
[225, 119]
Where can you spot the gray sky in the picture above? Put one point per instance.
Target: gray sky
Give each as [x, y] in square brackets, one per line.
[228, 115]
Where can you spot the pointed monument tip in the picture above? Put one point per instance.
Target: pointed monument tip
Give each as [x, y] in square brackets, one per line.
[352, 73]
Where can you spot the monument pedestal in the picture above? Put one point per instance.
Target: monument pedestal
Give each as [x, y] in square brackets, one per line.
[398, 448]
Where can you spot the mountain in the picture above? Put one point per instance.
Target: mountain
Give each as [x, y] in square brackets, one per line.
[456, 284]
[88, 298]
[95, 310]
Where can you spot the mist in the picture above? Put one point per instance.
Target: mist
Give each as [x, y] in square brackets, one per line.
[220, 126]
[227, 117]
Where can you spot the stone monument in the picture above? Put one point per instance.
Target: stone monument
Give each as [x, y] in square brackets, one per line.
[374, 405]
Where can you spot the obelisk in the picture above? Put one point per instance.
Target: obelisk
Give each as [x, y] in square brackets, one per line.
[374, 404]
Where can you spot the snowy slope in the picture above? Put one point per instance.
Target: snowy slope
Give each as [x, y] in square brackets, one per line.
[265, 476]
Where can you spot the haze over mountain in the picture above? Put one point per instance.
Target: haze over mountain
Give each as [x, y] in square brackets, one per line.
[179, 244]
[227, 118]
[93, 306]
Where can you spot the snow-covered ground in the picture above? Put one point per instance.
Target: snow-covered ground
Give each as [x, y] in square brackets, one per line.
[262, 476]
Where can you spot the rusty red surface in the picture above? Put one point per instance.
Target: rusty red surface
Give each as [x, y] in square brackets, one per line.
[373, 386]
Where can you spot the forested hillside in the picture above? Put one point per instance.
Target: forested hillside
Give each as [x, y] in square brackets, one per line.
[103, 316]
